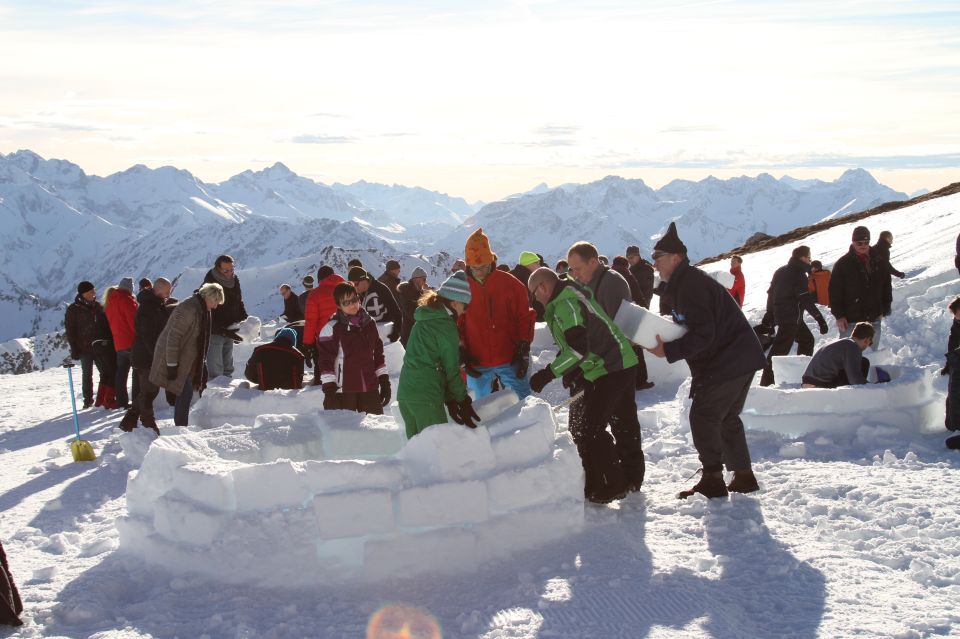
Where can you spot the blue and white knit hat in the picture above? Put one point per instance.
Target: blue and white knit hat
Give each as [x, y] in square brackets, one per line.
[456, 288]
[286, 334]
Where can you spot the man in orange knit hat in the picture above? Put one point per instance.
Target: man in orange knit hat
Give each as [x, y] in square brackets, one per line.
[497, 327]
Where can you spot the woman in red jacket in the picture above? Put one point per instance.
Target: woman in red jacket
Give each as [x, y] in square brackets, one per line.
[121, 307]
[319, 307]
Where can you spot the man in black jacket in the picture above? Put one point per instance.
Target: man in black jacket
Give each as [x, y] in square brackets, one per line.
[152, 315]
[291, 305]
[787, 298]
[859, 292]
[223, 332]
[643, 272]
[723, 354]
[85, 323]
[622, 266]
[377, 300]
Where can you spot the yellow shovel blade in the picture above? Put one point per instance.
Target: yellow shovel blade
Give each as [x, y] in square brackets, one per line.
[82, 451]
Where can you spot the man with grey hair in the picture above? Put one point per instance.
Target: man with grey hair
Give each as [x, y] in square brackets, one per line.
[151, 317]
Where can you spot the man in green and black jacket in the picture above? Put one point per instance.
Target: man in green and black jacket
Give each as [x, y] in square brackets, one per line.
[597, 358]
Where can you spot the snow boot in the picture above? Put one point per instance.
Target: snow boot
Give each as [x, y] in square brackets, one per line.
[129, 421]
[710, 485]
[744, 481]
[953, 443]
[10, 604]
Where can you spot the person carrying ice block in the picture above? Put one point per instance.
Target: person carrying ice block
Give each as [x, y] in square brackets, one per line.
[723, 353]
[596, 357]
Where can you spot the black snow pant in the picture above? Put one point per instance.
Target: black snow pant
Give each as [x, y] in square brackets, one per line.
[142, 405]
[952, 421]
[783, 341]
[641, 366]
[10, 604]
[715, 424]
[611, 464]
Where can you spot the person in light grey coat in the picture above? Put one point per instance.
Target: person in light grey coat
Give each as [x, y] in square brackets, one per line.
[841, 362]
[179, 358]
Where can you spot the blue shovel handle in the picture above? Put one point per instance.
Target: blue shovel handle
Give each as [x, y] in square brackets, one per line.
[73, 399]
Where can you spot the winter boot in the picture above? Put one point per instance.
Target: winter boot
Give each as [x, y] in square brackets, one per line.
[953, 443]
[710, 485]
[744, 481]
[129, 421]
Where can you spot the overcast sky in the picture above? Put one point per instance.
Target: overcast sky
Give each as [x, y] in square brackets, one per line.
[484, 99]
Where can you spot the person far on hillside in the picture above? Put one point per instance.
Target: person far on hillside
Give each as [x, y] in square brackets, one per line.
[226, 317]
[377, 300]
[350, 360]
[841, 362]
[952, 368]
[860, 289]
[430, 377]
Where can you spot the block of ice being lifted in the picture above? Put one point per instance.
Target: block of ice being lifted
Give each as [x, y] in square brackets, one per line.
[642, 327]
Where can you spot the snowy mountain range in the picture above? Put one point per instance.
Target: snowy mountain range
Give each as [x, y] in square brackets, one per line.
[59, 225]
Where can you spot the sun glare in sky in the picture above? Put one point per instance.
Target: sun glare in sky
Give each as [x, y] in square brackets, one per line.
[482, 100]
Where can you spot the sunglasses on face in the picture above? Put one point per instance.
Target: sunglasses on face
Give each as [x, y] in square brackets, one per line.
[658, 254]
[350, 301]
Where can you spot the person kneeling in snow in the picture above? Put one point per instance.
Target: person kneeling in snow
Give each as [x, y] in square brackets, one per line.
[430, 376]
[277, 364]
[841, 362]
[952, 369]
[350, 359]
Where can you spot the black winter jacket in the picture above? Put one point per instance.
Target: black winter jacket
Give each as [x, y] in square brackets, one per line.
[636, 295]
[859, 294]
[291, 309]
[85, 322]
[231, 311]
[883, 250]
[719, 344]
[152, 315]
[382, 306]
[788, 293]
[643, 272]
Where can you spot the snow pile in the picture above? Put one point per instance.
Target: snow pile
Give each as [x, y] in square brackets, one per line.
[309, 497]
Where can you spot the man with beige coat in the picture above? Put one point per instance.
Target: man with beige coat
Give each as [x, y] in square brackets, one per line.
[179, 358]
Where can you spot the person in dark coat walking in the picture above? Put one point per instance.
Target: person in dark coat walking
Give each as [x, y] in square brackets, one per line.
[787, 298]
[353, 370]
[642, 271]
[291, 305]
[622, 266]
[278, 364]
[225, 318]
[859, 290]
[408, 296]
[377, 300]
[723, 353]
[391, 276]
[952, 368]
[85, 323]
[152, 315]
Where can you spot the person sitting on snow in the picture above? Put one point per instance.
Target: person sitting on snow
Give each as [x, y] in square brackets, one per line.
[841, 362]
[350, 358]
[430, 377]
[952, 369]
[278, 364]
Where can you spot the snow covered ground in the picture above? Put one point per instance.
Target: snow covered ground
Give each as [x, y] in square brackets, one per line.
[853, 534]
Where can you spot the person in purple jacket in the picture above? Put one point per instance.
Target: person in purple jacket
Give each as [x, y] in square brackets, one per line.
[353, 371]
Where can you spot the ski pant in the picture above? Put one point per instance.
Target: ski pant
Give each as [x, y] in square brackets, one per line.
[181, 408]
[642, 375]
[220, 357]
[787, 334]
[123, 372]
[365, 402]
[610, 463]
[87, 361]
[876, 332]
[143, 401]
[418, 415]
[952, 421]
[715, 424]
[482, 386]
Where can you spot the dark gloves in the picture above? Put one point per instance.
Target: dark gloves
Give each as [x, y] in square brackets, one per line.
[384, 389]
[232, 335]
[574, 380]
[822, 323]
[462, 412]
[767, 323]
[540, 379]
[309, 355]
[329, 388]
[468, 364]
[521, 358]
[394, 335]
[172, 371]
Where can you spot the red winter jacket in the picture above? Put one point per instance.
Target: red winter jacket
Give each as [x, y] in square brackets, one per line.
[121, 309]
[351, 354]
[499, 316]
[319, 307]
[739, 289]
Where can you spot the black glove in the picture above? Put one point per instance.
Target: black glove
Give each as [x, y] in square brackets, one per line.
[232, 335]
[574, 380]
[329, 388]
[453, 407]
[467, 414]
[767, 323]
[521, 358]
[540, 379]
[393, 336]
[468, 363]
[822, 323]
[309, 355]
[384, 389]
[172, 371]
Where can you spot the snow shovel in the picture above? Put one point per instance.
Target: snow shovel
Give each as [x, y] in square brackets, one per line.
[81, 449]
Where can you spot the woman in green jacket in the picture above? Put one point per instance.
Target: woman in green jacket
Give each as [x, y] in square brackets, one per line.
[430, 377]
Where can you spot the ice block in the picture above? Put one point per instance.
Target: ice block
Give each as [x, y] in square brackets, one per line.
[642, 327]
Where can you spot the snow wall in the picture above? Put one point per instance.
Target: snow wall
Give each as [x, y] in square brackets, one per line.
[307, 496]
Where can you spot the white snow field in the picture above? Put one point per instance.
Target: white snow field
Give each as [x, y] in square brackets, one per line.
[281, 521]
